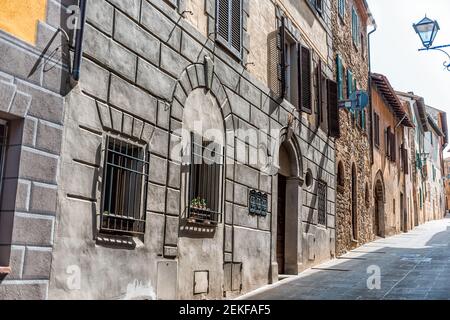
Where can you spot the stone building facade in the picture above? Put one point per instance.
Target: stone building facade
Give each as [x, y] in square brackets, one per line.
[33, 76]
[154, 78]
[350, 21]
[447, 183]
[391, 120]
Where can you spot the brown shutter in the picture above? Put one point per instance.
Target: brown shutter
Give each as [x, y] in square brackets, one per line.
[387, 140]
[405, 160]
[282, 65]
[319, 92]
[306, 80]
[333, 109]
[393, 147]
[223, 20]
[236, 22]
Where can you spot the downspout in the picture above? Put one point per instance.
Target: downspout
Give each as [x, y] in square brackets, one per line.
[370, 92]
[79, 42]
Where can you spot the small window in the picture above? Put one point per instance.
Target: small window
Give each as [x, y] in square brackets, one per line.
[340, 175]
[3, 136]
[355, 27]
[341, 8]
[229, 25]
[125, 188]
[367, 195]
[205, 182]
[291, 69]
[322, 203]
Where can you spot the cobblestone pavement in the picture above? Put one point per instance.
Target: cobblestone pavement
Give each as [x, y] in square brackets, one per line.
[412, 266]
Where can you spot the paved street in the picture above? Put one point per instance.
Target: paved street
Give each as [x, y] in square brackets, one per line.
[413, 266]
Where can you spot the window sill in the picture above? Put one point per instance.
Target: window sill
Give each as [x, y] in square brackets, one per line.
[5, 270]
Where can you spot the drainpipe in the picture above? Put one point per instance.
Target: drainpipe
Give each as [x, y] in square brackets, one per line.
[370, 92]
[79, 42]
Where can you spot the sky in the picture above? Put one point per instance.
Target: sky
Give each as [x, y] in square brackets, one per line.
[394, 49]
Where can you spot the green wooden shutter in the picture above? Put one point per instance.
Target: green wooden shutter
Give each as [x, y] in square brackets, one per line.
[349, 83]
[339, 77]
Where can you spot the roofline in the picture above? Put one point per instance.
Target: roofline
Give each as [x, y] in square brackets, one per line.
[390, 96]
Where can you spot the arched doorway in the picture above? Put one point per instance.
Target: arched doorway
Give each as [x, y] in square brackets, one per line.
[378, 217]
[354, 204]
[287, 240]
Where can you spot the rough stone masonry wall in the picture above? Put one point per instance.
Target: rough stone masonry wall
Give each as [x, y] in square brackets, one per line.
[32, 76]
[353, 145]
[141, 61]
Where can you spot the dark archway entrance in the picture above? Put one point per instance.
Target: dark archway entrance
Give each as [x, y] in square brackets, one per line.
[288, 225]
[354, 204]
[378, 221]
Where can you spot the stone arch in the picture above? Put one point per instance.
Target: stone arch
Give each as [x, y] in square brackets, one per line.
[354, 201]
[199, 85]
[379, 201]
[287, 189]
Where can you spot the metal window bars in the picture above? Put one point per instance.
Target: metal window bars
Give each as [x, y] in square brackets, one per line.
[124, 188]
[205, 182]
[322, 203]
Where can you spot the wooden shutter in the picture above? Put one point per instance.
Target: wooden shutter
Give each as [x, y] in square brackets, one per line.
[236, 24]
[393, 145]
[405, 160]
[282, 64]
[319, 92]
[229, 24]
[340, 77]
[333, 109]
[223, 20]
[306, 80]
[387, 141]
[349, 83]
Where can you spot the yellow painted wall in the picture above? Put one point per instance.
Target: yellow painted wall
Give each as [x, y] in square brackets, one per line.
[20, 17]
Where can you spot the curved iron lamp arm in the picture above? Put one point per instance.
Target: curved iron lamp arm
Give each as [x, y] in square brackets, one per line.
[440, 48]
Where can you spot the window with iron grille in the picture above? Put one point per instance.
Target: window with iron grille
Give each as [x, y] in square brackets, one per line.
[125, 188]
[318, 5]
[3, 136]
[322, 203]
[229, 25]
[205, 185]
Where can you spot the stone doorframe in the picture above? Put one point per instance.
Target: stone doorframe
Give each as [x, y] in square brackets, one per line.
[380, 200]
[294, 201]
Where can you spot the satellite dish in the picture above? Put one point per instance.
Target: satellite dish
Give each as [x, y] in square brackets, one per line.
[359, 99]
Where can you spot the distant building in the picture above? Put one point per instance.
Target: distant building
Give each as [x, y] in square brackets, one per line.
[390, 168]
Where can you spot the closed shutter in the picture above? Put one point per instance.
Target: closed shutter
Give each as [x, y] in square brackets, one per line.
[393, 147]
[281, 39]
[223, 20]
[350, 83]
[333, 109]
[236, 21]
[387, 140]
[229, 24]
[340, 77]
[405, 160]
[306, 80]
[319, 92]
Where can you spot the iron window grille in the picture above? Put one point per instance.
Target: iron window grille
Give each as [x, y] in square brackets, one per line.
[3, 140]
[205, 182]
[322, 203]
[124, 189]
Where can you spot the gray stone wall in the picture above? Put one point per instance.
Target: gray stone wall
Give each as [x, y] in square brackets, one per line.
[141, 62]
[32, 78]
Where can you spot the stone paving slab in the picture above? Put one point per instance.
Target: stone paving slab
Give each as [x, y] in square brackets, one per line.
[413, 266]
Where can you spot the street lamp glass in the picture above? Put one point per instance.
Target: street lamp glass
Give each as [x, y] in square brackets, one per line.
[427, 30]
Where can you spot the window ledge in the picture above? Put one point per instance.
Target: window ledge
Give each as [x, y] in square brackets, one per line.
[5, 270]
